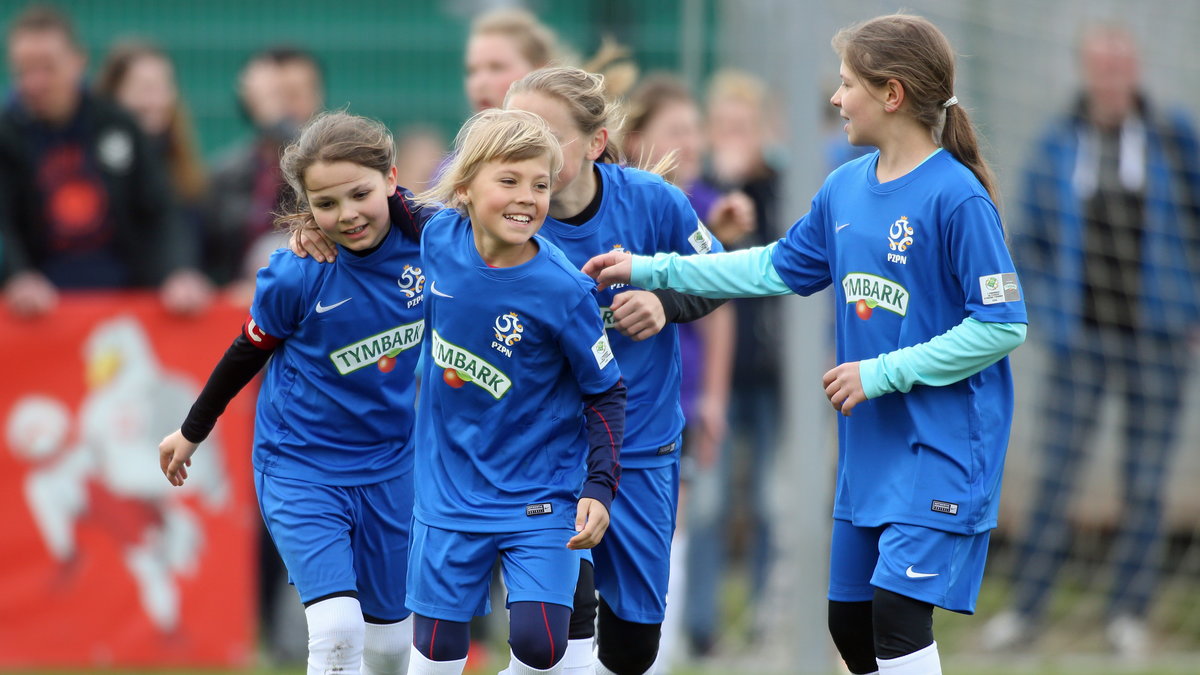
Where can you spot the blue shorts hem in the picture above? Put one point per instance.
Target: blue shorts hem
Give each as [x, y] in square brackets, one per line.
[638, 617]
[851, 594]
[567, 601]
[443, 613]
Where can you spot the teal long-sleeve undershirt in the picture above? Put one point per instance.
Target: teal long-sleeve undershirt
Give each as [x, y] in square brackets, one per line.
[945, 359]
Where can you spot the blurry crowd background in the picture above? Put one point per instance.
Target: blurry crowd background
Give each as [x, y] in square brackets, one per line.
[1104, 452]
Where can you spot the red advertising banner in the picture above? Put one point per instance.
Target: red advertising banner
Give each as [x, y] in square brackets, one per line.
[102, 562]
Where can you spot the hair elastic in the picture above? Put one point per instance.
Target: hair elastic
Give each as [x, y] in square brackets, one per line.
[953, 100]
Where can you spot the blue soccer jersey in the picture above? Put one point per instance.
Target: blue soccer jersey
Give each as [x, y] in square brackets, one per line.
[909, 260]
[640, 213]
[501, 438]
[350, 332]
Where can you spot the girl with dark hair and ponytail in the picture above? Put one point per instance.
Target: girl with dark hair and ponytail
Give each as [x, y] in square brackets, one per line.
[928, 308]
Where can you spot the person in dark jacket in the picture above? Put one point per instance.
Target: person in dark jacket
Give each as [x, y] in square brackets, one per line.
[83, 201]
[1108, 252]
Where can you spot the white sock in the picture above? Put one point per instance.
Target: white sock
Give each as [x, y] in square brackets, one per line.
[386, 647]
[921, 662]
[515, 667]
[580, 657]
[335, 636]
[601, 670]
[419, 665]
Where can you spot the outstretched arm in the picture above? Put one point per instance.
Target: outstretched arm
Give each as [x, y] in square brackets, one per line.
[736, 274]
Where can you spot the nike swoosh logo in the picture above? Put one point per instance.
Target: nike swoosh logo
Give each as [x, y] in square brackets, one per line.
[841, 227]
[433, 288]
[918, 575]
[321, 309]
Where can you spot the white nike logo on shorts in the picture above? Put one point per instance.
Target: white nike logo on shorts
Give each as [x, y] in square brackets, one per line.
[841, 227]
[321, 309]
[918, 575]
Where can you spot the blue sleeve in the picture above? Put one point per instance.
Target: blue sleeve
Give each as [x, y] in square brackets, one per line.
[279, 298]
[605, 414]
[950, 357]
[687, 231]
[802, 256]
[746, 273]
[584, 341]
[980, 262]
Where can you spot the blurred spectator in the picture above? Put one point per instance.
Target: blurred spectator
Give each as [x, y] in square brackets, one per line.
[140, 77]
[83, 200]
[734, 490]
[504, 46]
[419, 153]
[279, 89]
[663, 131]
[1108, 254]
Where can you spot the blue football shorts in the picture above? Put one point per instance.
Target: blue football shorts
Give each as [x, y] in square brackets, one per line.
[942, 568]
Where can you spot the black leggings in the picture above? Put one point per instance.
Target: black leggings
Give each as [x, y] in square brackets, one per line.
[887, 627]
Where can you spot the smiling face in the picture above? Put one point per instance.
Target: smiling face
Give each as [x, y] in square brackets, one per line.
[350, 202]
[507, 204]
[493, 63]
[861, 107]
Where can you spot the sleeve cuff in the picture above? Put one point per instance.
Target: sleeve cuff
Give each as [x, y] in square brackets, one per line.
[641, 271]
[874, 382]
[599, 492]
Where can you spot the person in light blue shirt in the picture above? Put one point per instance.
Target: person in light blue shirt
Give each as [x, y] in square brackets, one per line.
[928, 307]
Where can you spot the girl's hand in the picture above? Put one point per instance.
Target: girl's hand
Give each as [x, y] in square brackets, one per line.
[843, 387]
[609, 268]
[638, 314]
[175, 456]
[312, 241]
[591, 522]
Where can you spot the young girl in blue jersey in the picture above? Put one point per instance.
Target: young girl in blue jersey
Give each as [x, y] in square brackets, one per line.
[332, 443]
[928, 307]
[599, 206]
[522, 408]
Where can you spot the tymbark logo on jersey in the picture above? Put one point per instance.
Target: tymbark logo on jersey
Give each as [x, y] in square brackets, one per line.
[462, 366]
[379, 349]
[868, 291]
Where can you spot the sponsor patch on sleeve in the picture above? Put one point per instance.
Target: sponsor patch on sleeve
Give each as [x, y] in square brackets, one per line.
[996, 288]
[701, 239]
[602, 351]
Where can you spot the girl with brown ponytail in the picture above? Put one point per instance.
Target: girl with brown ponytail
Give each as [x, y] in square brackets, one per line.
[928, 308]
